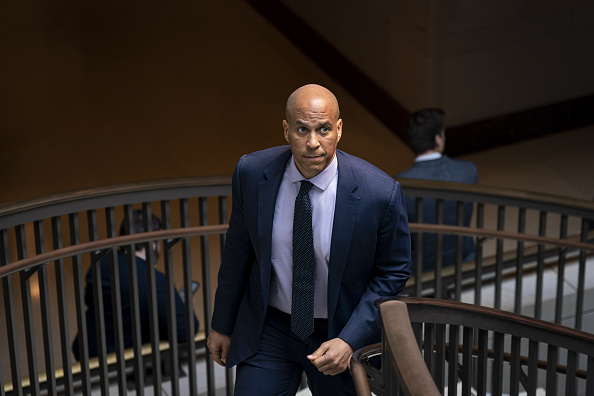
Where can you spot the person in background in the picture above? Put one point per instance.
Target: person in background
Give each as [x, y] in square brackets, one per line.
[143, 296]
[426, 137]
[272, 317]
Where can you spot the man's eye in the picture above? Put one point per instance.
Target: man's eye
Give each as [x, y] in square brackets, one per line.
[325, 129]
[302, 129]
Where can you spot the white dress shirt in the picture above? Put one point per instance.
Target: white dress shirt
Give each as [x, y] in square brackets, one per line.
[323, 201]
[428, 157]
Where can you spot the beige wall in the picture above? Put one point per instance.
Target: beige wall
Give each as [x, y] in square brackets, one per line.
[476, 59]
[94, 94]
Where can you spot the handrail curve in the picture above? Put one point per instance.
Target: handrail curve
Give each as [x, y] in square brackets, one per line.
[86, 247]
[42, 258]
[472, 231]
[444, 190]
[477, 314]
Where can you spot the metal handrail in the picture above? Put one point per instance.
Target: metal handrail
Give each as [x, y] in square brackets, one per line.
[412, 187]
[69, 251]
[404, 366]
[43, 258]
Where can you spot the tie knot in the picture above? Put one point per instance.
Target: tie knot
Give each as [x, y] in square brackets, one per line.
[305, 187]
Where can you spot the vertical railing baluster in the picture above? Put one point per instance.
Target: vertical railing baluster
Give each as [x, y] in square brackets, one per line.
[520, 261]
[439, 286]
[27, 312]
[467, 370]
[562, 254]
[152, 292]
[184, 215]
[551, 376]
[478, 260]
[590, 376]
[515, 367]
[429, 337]
[499, 257]
[116, 303]
[440, 356]
[229, 382]
[497, 377]
[418, 259]
[79, 299]
[138, 363]
[2, 380]
[482, 362]
[570, 385]
[532, 375]
[542, 231]
[44, 304]
[173, 355]
[579, 306]
[62, 307]
[453, 359]
[459, 251]
[205, 258]
[98, 305]
[10, 318]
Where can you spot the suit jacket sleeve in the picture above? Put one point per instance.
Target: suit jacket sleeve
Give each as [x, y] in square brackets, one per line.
[389, 274]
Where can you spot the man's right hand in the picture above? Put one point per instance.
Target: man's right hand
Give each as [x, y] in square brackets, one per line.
[218, 345]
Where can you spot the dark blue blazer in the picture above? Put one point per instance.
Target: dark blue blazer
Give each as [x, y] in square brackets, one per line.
[449, 170]
[369, 255]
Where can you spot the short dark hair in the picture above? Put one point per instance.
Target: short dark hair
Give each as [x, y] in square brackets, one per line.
[422, 127]
[138, 224]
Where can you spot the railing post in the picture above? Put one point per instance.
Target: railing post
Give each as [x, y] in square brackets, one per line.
[27, 312]
[187, 270]
[520, 262]
[173, 355]
[138, 362]
[46, 322]
[152, 293]
[10, 317]
[81, 321]
[62, 307]
[98, 305]
[116, 302]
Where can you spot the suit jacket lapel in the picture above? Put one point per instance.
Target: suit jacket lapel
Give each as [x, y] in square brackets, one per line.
[267, 192]
[345, 215]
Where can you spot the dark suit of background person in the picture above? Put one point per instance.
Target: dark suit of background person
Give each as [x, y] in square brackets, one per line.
[369, 258]
[143, 302]
[426, 137]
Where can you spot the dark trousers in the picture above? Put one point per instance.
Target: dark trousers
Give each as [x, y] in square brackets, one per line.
[276, 369]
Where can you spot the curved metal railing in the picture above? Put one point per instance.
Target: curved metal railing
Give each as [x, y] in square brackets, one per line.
[433, 347]
[47, 245]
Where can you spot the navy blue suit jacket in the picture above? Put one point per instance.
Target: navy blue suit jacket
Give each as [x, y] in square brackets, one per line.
[449, 170]
[369, 256]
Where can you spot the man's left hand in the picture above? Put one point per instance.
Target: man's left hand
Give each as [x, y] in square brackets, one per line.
[332, 357]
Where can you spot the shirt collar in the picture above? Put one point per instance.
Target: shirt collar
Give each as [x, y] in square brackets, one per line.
[322, 180]
[428, 157]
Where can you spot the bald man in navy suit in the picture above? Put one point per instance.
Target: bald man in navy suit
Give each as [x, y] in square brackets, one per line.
[362, 253]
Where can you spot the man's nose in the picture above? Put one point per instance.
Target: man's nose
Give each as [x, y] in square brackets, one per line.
[312, 140]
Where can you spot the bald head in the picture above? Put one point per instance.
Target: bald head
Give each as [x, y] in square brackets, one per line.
[311, 95]
[312, 128]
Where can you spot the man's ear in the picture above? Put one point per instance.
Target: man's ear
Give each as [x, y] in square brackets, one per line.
[286, 130]
[440, 141]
